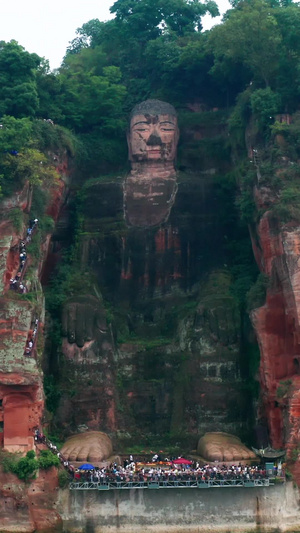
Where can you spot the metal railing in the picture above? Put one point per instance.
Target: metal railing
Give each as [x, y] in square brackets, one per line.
[211, 483]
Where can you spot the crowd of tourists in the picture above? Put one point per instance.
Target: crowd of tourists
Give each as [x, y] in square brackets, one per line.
[136, 473]
[166, 471]
[17, 282]
[32, 336]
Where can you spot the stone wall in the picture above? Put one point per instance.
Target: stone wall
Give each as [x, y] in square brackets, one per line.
[231, 510]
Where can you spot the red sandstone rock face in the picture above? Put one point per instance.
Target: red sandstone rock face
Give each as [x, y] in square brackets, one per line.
[88, 345]
[166, 240]
[21, 199]
[147, 273]
[26, 508]
[21, 389]
[54, 206]
[9, 237]
[148, 200]
[277, 326]
[42, 494]
[23, 508]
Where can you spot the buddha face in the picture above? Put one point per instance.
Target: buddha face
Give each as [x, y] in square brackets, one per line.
[153, 137]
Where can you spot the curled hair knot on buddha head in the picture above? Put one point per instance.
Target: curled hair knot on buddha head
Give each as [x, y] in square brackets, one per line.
[153, 107]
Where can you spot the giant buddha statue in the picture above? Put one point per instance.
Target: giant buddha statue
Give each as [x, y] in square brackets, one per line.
[154, 250]
[150, 188]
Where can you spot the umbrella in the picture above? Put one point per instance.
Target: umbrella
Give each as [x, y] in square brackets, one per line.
[182, 461]
[86, 466]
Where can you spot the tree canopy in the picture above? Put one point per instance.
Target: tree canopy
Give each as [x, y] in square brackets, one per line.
[158, 49]
[18, 92]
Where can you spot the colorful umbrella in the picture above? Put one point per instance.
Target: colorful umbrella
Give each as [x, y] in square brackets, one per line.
[86, 466]
[182, 461]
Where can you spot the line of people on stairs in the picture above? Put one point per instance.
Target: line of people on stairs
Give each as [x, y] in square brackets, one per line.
[17, 283]
[32, 336]
[40, 438]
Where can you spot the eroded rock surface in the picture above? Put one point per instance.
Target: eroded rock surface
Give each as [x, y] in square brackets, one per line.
[89, 349]
[24, 508]
[21, 391]
[277, 327]
[29, 508]
[172, 315]
[164, 353]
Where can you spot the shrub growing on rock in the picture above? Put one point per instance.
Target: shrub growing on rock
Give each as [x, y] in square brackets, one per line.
[25, 468]
[47, 459]
[63, 479]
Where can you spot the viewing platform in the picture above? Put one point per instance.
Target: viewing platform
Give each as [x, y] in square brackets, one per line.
[211, 483]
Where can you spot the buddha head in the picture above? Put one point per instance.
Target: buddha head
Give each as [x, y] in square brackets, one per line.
[153, 132]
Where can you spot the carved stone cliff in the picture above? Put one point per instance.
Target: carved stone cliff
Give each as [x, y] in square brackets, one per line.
[24, 508]
[155, 343]
[277, 326]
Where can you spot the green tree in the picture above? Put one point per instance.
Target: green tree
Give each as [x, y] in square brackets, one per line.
[14, 133]
[26, 467]
[89, 35]
[88, 59]
[150, 18]
[287, 85]
[250, 35]
[19, 159]
[47, 459]
[18, 92]
[264, 104]
[34, 166]
[31, 165]
[109, 35]
[184, 16]
[49, 90]
[93, 95]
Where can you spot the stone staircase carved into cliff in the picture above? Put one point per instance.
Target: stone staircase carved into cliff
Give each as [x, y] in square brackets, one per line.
[257, 162]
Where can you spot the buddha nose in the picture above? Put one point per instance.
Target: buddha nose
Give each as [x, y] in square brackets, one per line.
[154, 140]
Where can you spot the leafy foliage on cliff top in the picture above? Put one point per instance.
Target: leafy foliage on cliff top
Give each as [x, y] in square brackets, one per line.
[18, 91]
[26, 467]
[47, 459]
[54, 138]
[25, 152]
[274, 180]
[156, 49]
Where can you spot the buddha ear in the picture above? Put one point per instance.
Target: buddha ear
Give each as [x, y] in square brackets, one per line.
[129, 144]
[177, 134]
